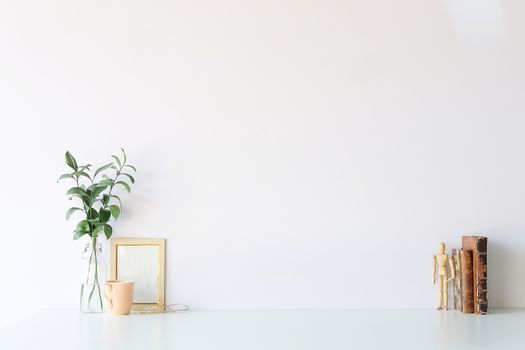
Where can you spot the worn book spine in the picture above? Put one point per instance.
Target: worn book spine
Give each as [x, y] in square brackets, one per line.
[457, 280]
[478, 245]
[467, 281]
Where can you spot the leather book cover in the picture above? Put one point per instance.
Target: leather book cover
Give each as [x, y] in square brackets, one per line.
[457, 280]
[467, 281]
[478, 245]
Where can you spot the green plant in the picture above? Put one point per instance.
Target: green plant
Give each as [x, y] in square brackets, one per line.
[98, 203]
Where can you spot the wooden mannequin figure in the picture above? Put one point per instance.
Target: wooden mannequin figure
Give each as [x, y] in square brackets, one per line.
[442, 272]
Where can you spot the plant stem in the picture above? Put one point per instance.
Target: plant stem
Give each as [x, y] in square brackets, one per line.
[93, 255]
[98, 285]
[95, 282]
[117, 174]
[89, 267]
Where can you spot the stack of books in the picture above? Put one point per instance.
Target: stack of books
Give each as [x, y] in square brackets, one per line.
[470, 281]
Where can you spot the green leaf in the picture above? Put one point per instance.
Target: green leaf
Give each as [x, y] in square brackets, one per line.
[71, 162]
[124, 154]
[108, 230]
[94, 221]
[65, 176]
[117, 198]
[78, 234]
[80, 173]
[102, 168]
[104, 183]
[71, 211]
[105, 199]
[87, 201]
[115, 211]
[132, 179]
[123, 184]
[97, 191]
[83, 226]
[97, 230]
[130, 166]
[84, 167]
[77, 191]
[117, 160]
[104, 215]
[92, 214]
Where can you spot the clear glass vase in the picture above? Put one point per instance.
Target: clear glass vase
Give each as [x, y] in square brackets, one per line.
[93, 278]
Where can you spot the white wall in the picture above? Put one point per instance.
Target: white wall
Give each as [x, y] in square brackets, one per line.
[295, 154]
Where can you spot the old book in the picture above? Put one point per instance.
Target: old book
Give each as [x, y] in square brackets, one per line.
[467, 280]
[463, 292]
[457, 279]
[478, 245]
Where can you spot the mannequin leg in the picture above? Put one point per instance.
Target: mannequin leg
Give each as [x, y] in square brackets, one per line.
[440, 282]
[445, 291]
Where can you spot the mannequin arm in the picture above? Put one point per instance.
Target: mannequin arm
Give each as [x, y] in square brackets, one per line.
[434, 269]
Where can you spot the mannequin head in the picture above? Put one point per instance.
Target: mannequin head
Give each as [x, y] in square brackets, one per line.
[441, 248]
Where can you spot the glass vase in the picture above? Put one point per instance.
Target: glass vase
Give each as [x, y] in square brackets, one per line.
[93, 278]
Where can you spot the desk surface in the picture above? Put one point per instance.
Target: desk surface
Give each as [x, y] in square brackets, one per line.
[275, 330]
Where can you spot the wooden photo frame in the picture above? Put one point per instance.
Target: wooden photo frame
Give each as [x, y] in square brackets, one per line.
[141, 260]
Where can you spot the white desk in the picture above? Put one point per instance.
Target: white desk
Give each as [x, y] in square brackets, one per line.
[272, 330]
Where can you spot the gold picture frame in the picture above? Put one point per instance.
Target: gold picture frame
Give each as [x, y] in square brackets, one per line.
[129, 249]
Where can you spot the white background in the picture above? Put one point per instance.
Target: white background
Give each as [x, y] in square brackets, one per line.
[295, 154]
